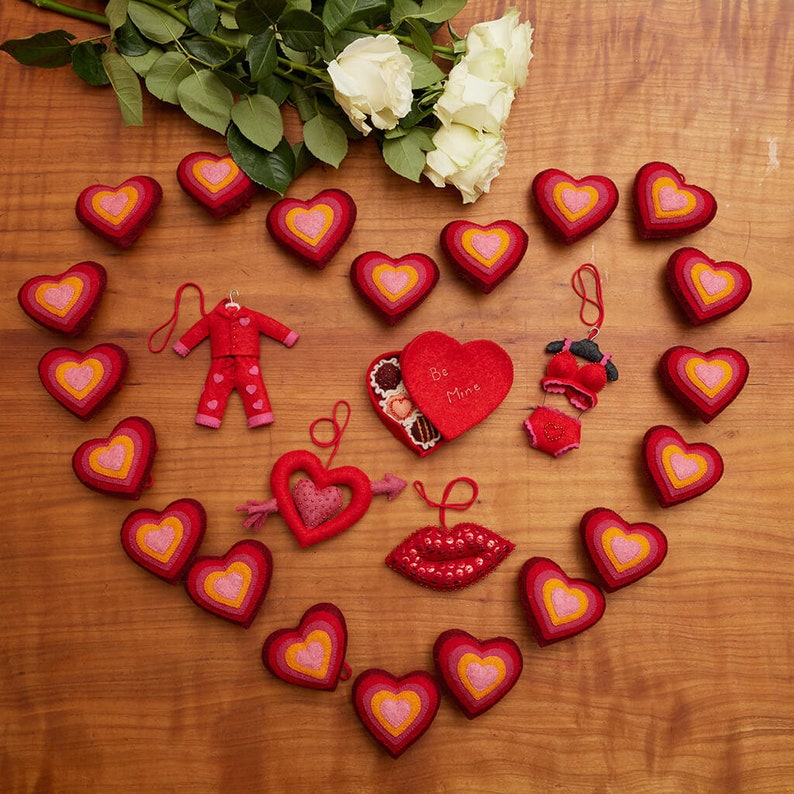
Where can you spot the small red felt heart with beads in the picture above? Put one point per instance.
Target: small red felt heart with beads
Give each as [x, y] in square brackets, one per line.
[621, 552]
[396, 711]
[484, 255]
[313, 654]
[66, 302]
[678, 471]
[313, 230]
[665, 205]
[119, 214]
[393, 287]
[557, 606]
[572, 208]
[216, 183]
[477, 673]
[234, 585]
[121, 464]
[705, 289]
[83, 382]
[165, 542]
[704, 383]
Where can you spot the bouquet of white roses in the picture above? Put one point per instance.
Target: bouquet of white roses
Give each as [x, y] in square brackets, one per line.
[351, 68]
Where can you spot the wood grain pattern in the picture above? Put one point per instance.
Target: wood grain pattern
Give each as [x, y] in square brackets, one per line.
[112, 680]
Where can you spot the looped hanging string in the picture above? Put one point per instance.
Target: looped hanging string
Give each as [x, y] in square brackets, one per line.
[338, 429]
[171, 321]
[444, 505]
[579, 287]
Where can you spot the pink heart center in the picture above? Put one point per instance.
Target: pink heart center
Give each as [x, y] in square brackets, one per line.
[59, 297]
[311, 656]
[159, 540]
[112, 458]
[215, 173]
[683, 467]
[244, 321]
[575, 200]
[481, 676]
[564, 603]
[310, 223]
[229, 586]
[710, 374]
[79, 377]
[114, 204]
[713, 283]
[486, 245]
[316, 505]
[670, 199]
[625, 549]
[395, 281]
[396, 712]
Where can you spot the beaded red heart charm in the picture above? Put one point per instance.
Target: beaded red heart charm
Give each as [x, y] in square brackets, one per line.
[557, 606]
[572, 208]
[313, 230]
[621, 552]
[665, 205]
[484, 255]
[119, 214]
[83, 382]
[477, 673]
[216, 183]
[165, 542]
[66, 302]
[396, 711]
[678, 471]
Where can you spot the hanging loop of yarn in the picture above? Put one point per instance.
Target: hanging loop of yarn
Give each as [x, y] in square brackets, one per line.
[580, 288]
[444, 504]
[337, 429]
[170, 323]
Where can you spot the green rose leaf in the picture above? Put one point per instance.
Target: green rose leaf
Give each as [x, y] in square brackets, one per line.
[203, 16]
[258, 118]
[142, 64]
[406, 155]
[274, 87]
[403, 9]
[129, 41]
[126, 86]
[165, 75]
[46, 50]
[87, 63]
[207, 51]
[274, 170]
[303, 158]
[116, 13]
[155, 24]
[262, 55]
[301, 30]
[256, 16]
[440, 10]
[337, 13]
[206, 100]
[420, 38]
[426, 73]
[325, 139]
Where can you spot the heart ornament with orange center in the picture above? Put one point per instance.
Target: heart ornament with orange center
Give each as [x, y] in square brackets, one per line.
[216, 183]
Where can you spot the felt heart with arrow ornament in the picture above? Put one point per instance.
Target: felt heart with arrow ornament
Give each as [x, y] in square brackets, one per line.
[216, 183]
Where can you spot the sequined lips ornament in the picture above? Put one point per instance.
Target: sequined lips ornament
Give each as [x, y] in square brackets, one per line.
[216, 183]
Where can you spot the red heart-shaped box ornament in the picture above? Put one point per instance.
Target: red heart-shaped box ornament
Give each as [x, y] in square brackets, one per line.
[572, 208]
[216, 183]
[165, 542]
[313, 654]
[477, 673]
[397, 711]
[621, 552]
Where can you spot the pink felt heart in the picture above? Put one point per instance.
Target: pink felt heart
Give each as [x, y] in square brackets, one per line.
[314, 504]
[216, 183]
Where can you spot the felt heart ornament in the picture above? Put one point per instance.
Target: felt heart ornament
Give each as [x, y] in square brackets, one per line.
[83, 382]
[557, 606]
[665, 205]
[119, 214]
[313, 230]
[66, 302]
[678, 471]
[621, 552]
[216, 183]
[704, 383]
[573, 208]
[706, 290]
[165, 542]
[397, 711]
[313, 654]
[393, 287]
[234, 585]
[484, 255]
[120, 464]
[477, 673]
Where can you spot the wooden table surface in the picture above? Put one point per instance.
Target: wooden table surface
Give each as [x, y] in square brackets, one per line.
[112, 680]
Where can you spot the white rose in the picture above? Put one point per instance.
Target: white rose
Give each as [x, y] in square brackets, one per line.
[466, 159]
[500, 49]
[372, 78]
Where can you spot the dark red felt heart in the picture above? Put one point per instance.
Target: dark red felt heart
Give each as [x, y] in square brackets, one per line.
[216, 183]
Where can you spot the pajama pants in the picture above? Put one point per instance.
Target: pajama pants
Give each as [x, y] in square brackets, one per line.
[228, 373]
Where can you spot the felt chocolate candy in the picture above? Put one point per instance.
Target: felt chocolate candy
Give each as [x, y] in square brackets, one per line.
[216, 183]
[83, 382]
[66, 302]
[119, 214]
[706, 290]
[484, 255]
[313, 230]
[665, 205]
[572, 208]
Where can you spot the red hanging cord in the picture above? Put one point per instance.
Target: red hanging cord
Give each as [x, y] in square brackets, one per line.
[580, 288]
[171, 321]
[444, 505]
[338, 429]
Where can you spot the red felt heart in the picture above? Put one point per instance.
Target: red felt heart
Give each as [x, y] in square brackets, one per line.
[572, 208]
[665, 205]
[313, 654]
[120, 464]
[396, 710]
[216, 183]
[484, 255]
[348, 476]
[66, 302]
[313, 230]
[477, 673]
[705, 289]
[557, 606]
[393, 287]
[455, 385]
[621, 552]
[234, 585]
[119, 214]
[704, 383]
[83, 382]
[165, 542]
[678, 471]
